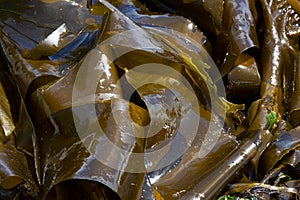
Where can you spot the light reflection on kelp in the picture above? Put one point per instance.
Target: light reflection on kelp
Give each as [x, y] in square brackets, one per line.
[47, 45]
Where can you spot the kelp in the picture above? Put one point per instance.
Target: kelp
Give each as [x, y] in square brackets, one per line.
[99, 116]
[59, 152]
[235, 29]
[295, 102]
[67, 158]
[7, 124]
[239, 59]
[38, 21]
[278, 59]
[207, 15]
[282, 179]
[276, 56]
[6, 119]
[281, 147]
[15, 173]
[295, 5]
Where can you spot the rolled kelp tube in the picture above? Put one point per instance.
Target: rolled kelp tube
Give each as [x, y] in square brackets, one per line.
[273, 57]
[244, 79]
[239, 29]
[279, 51]
[205, 178]
[273, 60]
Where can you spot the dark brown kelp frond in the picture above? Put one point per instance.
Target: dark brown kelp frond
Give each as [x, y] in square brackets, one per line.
[115, 100]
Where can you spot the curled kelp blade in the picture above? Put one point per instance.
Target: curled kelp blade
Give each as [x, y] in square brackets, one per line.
[6, 121]
[24, 130]
[273, 61]
[7, 125]
[239, 29]
[91, 167]
[164, 40]
[76, 141]
[156, 46]
[137, 12]
[94, 79]
[279, 183]
[18, 166]
[286, 143]
[238, 61]
[82, 152]
[95, 60]
[244, 79]
[32, 32]
[47, 177]
[207, 15]
[15, 170]
[155, 94]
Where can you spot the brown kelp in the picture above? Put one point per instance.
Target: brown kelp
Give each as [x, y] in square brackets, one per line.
[118, 100]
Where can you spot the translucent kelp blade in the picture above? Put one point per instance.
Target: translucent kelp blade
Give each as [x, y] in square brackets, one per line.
[6, 121]
[14, 169]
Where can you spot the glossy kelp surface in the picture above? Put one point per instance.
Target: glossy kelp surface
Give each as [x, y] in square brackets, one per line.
[124, 48]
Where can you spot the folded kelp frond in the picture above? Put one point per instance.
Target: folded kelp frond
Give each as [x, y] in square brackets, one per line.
[207, 15]
[6, 121]
[31, 32]
[77, 76]
[281, 162]
[277, 61]
[278, 38]
[276, 160]
[125, 103]
[15, 165]
[240, 34]
[286, 144]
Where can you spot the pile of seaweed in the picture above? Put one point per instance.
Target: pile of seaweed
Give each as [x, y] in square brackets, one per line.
[150, 99]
